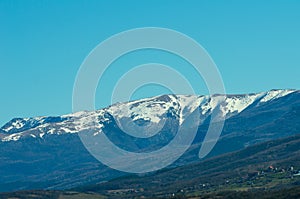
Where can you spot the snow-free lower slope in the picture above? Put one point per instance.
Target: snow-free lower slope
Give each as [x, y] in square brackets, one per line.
[150, 110]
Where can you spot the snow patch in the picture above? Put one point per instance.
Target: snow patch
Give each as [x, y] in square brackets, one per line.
[275, 94]
[151, 109]
[12, 137]
[236, 104]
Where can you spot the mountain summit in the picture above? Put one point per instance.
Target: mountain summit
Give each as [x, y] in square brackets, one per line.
[47, 152]
[141, 112]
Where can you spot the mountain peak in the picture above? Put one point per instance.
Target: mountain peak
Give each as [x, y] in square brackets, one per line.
[150, 110]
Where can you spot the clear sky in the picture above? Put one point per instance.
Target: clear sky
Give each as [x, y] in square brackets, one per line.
[255, 44]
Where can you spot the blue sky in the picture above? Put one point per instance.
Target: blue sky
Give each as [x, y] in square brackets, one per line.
[255, 45]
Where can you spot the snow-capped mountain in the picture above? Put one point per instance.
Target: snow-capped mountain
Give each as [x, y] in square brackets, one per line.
[47, 152]
[142, 112]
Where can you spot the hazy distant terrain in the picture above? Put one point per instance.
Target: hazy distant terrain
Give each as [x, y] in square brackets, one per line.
[270, 169]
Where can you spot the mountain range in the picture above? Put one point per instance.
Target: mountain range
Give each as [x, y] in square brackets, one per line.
[47, 152]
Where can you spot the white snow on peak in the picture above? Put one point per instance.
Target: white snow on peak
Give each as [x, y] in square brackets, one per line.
[19, 123]
[79, 121]
[12, 137]
[8, 128]
[188, 104]
[210, 103]
[238, 103]
[71, 123]
[77, 114]
[274, 94]
[149, 109]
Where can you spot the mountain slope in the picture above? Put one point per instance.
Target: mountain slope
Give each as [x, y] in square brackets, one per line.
[46, 152]
[267, 170]
[270, 165]
[144, 111]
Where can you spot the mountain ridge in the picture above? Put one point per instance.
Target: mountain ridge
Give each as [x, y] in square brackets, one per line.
[51, 155]
[138, 110]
